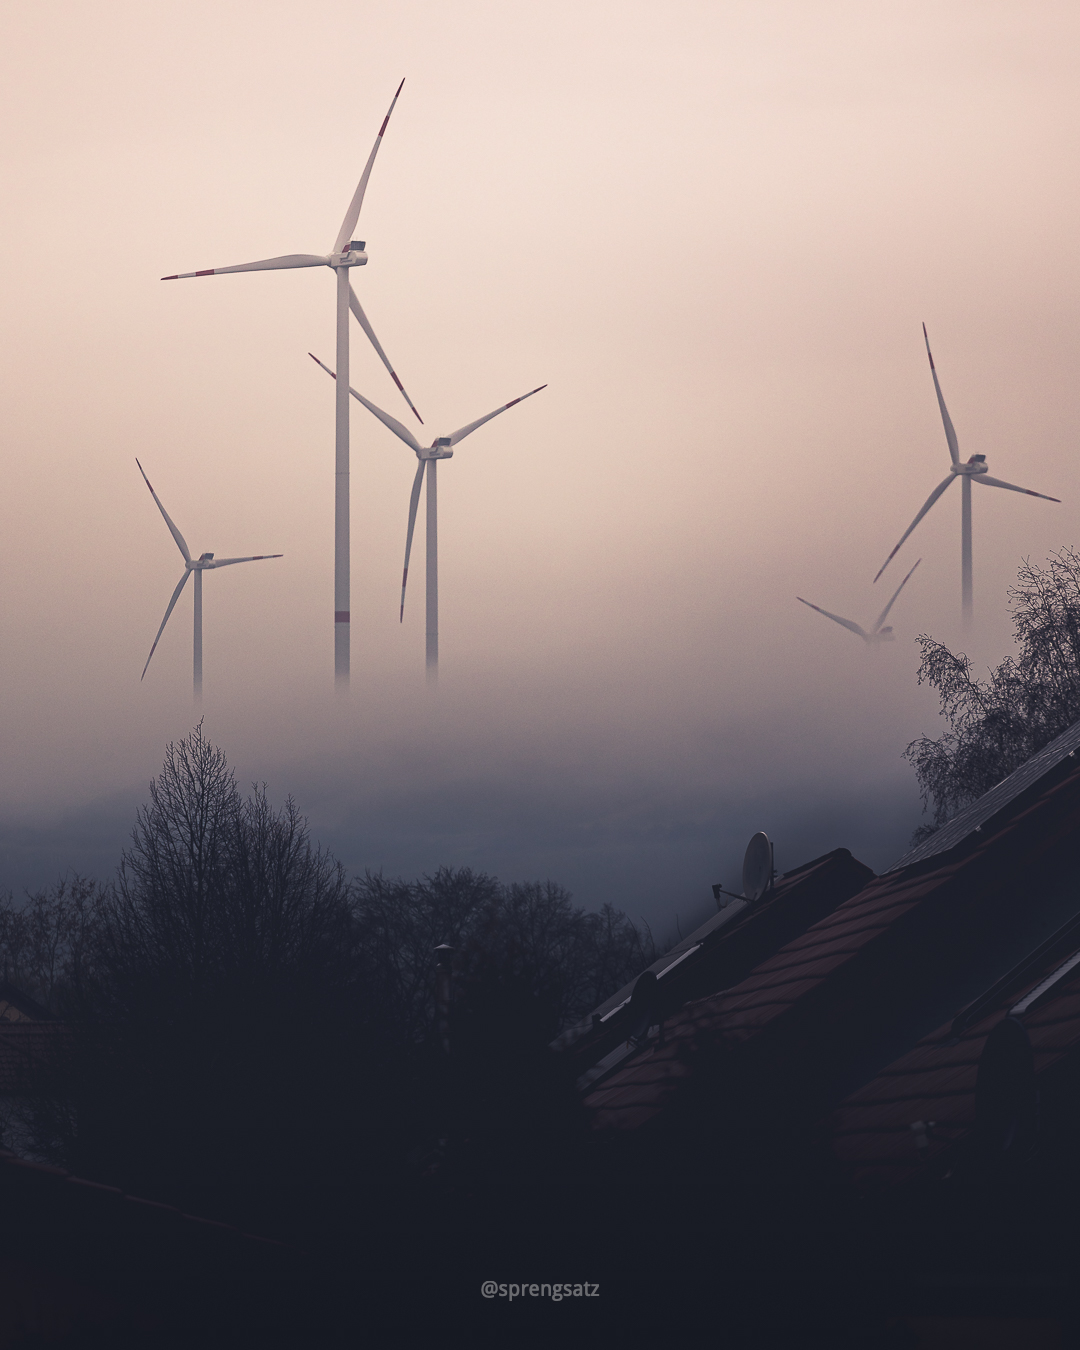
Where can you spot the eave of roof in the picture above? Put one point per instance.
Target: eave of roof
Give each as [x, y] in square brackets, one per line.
[114, 1206]
[733, 917]
[700, 961]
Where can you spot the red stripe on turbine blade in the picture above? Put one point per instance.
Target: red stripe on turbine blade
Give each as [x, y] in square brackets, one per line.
[418, 417]
[511, 403]
[341, 616]
[175, 277]
[398, 383]
[386, 119]
[206, 272]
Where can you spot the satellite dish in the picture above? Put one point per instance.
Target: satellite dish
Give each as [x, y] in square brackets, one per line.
[757, 868]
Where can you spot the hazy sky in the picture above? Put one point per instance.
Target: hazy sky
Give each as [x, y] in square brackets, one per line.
[713, 229]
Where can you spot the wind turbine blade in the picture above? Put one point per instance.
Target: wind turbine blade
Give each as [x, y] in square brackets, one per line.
[847, 623]
[172, 605]
[414, 501]
[466, 431]
[362, 319]
[996, 482]
[257, 557]
[385, 418]
[181, 542]
[950, 433]
[926, 507]
[885, 612]
[352, 215]
[263, 265]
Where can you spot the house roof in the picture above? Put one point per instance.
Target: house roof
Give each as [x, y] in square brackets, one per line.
[720, 952]
[782, 988]
[980, 814]
[15, 1006]
[880, 1131]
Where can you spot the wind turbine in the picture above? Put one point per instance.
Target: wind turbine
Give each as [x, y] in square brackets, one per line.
[440, 448]
[973, 470]
[206, 562]
[346, 253]
[877, 634]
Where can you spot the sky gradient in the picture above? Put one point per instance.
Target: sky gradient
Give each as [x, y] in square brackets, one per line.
[712, 229]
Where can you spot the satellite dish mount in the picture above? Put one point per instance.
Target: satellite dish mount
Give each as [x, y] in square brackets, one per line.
[757, 872]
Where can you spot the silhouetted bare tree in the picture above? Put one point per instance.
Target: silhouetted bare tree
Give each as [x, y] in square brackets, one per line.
[218, 889]
[996, 723]
[212, 1001]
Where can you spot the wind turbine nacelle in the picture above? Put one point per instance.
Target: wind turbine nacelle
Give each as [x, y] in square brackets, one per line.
[976, 464]
[354, 255]
[440, 450]
[885, 634]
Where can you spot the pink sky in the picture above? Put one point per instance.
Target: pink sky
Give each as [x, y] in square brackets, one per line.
[713, 229]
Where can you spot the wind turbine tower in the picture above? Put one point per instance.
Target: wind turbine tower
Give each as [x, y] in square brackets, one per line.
[973, 470]
[441, 448]
[206, 562]
[346, 254]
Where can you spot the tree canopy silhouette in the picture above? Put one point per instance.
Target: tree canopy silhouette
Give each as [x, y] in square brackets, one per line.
[997, 723]
[250, 1036]
[563, 959]
[210, 992]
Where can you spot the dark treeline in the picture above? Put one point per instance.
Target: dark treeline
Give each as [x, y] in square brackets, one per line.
[250, 1034]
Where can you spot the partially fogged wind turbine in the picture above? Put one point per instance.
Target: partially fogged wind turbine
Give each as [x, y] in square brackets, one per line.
[346, 253]
[974, 470]
[204, 563]
[440, 448]
[877, 633]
